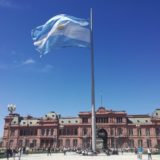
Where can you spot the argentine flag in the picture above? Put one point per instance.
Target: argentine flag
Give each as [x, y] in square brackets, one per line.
[61, 31]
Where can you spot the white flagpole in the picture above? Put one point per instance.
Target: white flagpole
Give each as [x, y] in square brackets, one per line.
[92, 87]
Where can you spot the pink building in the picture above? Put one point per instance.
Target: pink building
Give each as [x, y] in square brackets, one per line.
[115, 129]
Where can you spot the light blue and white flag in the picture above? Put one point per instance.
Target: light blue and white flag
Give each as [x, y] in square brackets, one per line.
[61, 31]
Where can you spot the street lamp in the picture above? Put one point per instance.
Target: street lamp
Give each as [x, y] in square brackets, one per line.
[11, 108]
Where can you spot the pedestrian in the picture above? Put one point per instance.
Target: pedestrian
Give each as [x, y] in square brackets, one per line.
[24, 150]
[149, 154]
[140, 152]
[64, 150]
[49, 151]
[122, 150]
[8, 153]
[135, 150]
[14, 153]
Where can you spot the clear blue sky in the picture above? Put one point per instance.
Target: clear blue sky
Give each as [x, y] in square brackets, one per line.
[127, 58]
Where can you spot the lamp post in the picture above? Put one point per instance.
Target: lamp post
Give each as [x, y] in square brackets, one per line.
[11, 108]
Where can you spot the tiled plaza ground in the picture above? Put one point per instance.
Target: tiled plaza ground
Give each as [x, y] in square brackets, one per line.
[74, 156]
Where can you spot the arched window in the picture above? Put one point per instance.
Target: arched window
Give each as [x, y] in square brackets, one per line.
[42, 132]
[85, 131]
[52, 131]
[140, 143]
[112, 132]
[75, 142]
[47, 132]
[75, 131]
[139, 132]
[34, 142]
[149, 143]
[60, 142]
[131, 143]
[120, 131]
[67, 143]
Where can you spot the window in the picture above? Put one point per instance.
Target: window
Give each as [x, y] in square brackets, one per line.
[11, 143]
[131, 143]
[84, 120]
[20, 142]
[27, 142]
[47, 132]
[112, 142]
[157, 131]
[130, 132]
[12, 132]
[158, 142]
[149, 144]
[75, 131]
[101, 119]
[61, 142]
[68, 131]
[61, 132]
[52, 131]
[28, 132]
[140, 143]
[112, 132]
[120, 131]
[111, 120]
[67, 143]
[119, 119]
[85, 131]
[42, 132]
[75, 142]
[139, 132]
[147, 132]
[34, 143]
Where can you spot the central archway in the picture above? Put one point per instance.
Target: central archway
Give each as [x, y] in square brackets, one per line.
[102, 134]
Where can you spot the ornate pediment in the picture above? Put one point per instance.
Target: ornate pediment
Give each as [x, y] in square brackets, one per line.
[101, 110]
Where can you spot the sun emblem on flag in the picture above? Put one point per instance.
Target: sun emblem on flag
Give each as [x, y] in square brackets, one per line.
[61, 27]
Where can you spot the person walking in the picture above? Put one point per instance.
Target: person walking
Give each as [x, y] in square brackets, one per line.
[140, 152]
[14, 153]
[135, 150]
[49, 151]
[64, 150]
[149, 154]
[8, 153]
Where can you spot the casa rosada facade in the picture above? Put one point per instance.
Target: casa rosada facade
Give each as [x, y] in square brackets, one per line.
[114, 129]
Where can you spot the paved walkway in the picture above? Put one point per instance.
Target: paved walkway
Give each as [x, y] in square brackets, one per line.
[74, 156]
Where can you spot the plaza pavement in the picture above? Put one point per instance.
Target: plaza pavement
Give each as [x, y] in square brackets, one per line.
[74, 156]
